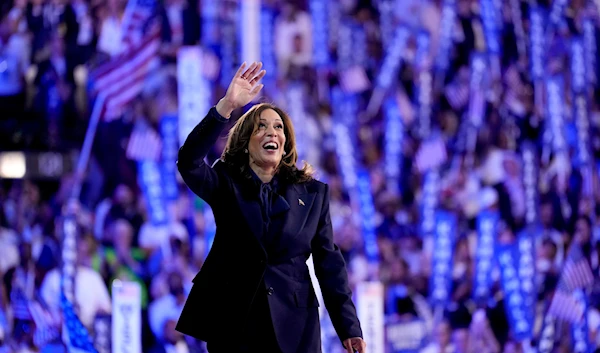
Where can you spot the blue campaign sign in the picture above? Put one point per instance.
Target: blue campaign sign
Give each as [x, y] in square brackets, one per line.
[423, 85]
[555, 99]
[150, 183]
[526, 270]
[487, 223]
[537, 17]
[344, 116]
[578, 83]
[530, 178]
[367, 212]
[514, 300]
[441, 274]
[267, 42]
[579, 330]
[168, 167]
[394, 139]
[320, 31]
[405, 336]
[590, 51]
[393, 58]
[431, 186]
[477, 88]
[490, 26]
[442, 59]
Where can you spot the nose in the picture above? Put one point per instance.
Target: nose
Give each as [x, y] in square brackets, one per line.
[270, 131]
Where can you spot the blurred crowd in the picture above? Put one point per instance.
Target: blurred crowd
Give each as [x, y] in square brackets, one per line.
[48, 48]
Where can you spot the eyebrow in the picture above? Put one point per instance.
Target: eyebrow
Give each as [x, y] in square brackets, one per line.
[276, 120]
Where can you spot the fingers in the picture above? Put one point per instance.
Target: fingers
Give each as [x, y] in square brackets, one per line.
[255, 90]
[348, 346]
[260, 75]
[249, 73]
[254, 71]
[240, 70]
[363, 347]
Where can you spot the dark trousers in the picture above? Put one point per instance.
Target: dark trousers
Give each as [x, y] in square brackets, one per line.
[259, 335]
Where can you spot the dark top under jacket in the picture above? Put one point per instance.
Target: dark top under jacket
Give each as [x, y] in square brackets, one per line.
[255, 274]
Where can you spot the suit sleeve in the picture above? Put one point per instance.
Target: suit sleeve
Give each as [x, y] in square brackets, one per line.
[200, 177]
[330, 269]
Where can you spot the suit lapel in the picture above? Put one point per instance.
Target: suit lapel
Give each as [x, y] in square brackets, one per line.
[300, 202]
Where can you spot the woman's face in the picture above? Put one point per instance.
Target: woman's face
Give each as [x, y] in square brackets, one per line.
[267, 141]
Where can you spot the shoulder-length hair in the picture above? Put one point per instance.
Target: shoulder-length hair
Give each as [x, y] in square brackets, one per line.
[237, 159]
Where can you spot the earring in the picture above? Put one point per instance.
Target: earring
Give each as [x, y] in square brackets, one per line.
[245, 150]
[284, 153]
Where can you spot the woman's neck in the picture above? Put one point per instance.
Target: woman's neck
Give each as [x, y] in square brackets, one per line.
[264, 174]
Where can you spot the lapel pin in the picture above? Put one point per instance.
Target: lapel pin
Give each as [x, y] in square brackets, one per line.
[300, 202]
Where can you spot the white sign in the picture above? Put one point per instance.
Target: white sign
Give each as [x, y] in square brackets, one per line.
[370, 313]
[127, 317]
[193, 90]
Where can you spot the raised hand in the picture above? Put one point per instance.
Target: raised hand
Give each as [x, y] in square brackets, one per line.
[243, 88]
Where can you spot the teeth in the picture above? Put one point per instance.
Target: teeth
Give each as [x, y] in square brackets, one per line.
[270, 145]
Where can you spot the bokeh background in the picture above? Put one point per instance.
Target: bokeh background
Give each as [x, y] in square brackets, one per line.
[459, 137]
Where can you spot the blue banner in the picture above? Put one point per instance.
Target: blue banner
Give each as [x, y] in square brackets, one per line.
[487, 223]
[442, 59]
[424, 85]
[345, 54]
[386, 21]
[477, 88]
[431, 188]
[581, 337]
[548, 335]
[367, 213]
[168, 166]
[230, 47]
[394, 140]
[590, 51]
[580, 102]
[344, 117]
[405, 336]
[441, 274]
[490, 26]
[530, 179]
[537, 17]
[149, 179]
[320, 32]
[526, 268]
[578, 83]
[557, 13]
[555, 93]
[393, 59]
[513, 298]
[267, 43]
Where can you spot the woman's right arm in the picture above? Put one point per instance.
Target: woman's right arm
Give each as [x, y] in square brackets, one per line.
[201, 178]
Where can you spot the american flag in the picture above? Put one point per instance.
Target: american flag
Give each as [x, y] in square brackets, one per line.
[457, 95]
[144, 144]
[46, 326]
[431, 154]
[576, 274]
[137, 19]
[122, 79]
[354, 80]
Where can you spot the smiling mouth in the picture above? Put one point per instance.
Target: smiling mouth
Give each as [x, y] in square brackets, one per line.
[270, 146]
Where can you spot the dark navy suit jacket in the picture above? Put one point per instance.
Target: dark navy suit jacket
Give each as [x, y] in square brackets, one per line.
[225, 287]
